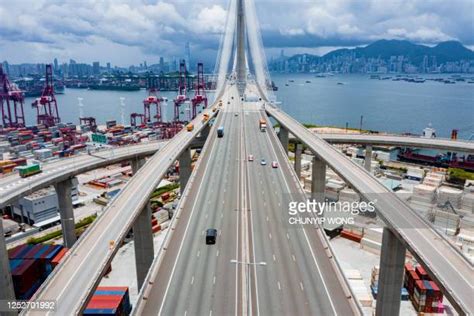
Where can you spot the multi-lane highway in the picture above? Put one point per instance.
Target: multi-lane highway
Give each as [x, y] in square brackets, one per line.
[13, 186]
[203, 274]
[71, 284]
[299, 277]
[260, 263]
[455, 274]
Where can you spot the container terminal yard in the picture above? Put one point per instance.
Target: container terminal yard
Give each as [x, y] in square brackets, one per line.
[205, 213]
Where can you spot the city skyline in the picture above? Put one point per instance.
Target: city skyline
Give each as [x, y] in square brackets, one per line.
[137, 30]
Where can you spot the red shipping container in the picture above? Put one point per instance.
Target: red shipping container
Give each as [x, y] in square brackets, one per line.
[351, 236]
[422, 273]
[112, 288]
[156, 228]
[112, 302]
[436, 291]
[57, 259]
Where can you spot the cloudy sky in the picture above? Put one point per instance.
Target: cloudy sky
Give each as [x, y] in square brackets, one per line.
[127, 32]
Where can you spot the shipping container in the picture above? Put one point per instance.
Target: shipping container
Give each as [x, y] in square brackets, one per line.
[29, 170]
[26, 275]
[21, 253]
[59, 256]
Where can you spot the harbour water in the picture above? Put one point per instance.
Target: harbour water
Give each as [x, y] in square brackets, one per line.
[386, 105]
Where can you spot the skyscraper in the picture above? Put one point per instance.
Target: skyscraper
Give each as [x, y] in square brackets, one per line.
[96, 68]
[162, 64]
[56, 66]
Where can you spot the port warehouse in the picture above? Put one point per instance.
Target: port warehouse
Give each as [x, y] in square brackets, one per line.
[41, 205]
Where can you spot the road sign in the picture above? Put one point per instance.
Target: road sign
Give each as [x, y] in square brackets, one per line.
[99, 138]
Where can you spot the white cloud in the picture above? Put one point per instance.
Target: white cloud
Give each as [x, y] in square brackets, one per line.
[82, 28]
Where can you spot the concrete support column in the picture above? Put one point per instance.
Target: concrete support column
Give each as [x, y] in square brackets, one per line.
[184, 168]
[284, 137]
[66, 213]
[392, 260]
[137, 164]
[6, 283]
[368, 157]
[22, 214]
[298, 152]
[318, 179]
[143, 240]
[204, 132]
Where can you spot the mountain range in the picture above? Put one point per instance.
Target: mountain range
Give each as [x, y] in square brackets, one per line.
[384, 49]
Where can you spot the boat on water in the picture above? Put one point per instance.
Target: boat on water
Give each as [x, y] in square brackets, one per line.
[308, 81]
[124, 87]
[340, 83]
[32, 87]
[449, 160]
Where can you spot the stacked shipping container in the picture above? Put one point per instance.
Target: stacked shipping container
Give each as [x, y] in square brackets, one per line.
[109, 300]
[424, 293]
[30, 265]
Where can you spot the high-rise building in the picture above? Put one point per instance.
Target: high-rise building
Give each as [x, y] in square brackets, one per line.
[96, 68]
[108, 67]
[162, 64]
[56, 66]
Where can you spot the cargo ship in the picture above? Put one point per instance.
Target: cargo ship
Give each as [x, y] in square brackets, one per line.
[32, 87]
[449, 160]
[115, 87]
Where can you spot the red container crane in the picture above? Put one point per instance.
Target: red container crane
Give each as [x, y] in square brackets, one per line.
[133, 119]
[11, 100]
[46, 105]
[153, 99]
[200, 96]
[181, 98]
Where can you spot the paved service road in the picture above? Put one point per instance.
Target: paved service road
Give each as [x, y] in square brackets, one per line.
[455, 274]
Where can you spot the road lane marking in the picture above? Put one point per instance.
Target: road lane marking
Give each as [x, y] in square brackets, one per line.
[301, 286]
[279, 286]
[304, 230]
[192, 280]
